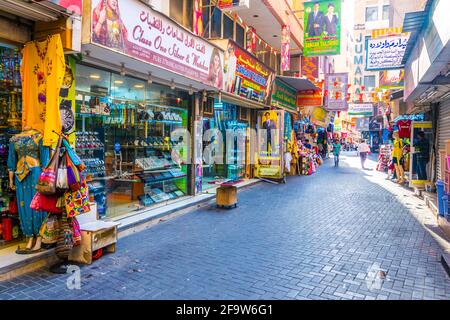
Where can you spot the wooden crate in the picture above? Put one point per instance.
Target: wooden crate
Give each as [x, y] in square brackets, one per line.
[93, 240]
[226, 196]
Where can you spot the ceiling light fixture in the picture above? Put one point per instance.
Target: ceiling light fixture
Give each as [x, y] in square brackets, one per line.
[191, 90]
[94, 76]
[118, 82]
[172, 85]
[122, 70]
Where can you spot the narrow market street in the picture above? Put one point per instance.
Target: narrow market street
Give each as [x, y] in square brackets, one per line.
[342, 233]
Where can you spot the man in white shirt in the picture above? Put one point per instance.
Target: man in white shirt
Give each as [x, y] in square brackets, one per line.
[364, 150]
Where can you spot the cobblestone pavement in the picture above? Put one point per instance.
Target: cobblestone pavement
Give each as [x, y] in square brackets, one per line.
[339, 234]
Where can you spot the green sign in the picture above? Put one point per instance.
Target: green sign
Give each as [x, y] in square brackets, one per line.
[322, 23]
[284, 96]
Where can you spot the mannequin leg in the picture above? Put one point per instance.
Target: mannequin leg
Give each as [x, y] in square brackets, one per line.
[30, 243]
[38, 243]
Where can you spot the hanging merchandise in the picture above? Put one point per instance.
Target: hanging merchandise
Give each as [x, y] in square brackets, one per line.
[46, 184]
[43, 70]
[404, 129]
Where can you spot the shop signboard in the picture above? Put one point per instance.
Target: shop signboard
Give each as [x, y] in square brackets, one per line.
[246, 76]
[270, 144]
[362, 124]
[315, 115]
[310, 67]
[322, 21]
[386, 53]
[392, 79]
[360, 109]
[74, 6]
[285, 48]
[231, 5]
[134, 29]
[311, 98]
[284, 96]
[336, 87]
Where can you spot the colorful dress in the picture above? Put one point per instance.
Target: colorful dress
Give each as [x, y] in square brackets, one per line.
[43, 71]
[26, 157]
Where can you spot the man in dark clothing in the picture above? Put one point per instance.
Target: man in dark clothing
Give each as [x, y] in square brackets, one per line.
[331, 21]
[315, 22]
[422, 154]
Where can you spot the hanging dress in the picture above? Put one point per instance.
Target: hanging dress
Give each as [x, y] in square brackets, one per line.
[43, 69]
[26, 158]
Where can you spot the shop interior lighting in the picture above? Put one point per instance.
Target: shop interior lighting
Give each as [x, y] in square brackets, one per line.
[191, 90]
[172, 85]
[149, 79]
[122, 70]
[139, 86]
[118, 82]
[95, 76]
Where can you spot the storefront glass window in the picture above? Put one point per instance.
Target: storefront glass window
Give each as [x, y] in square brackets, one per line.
[229, 157]
[124, 129]
[228, 27]
[216, 24]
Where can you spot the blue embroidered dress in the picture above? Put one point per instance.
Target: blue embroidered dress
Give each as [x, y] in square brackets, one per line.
[26, 158]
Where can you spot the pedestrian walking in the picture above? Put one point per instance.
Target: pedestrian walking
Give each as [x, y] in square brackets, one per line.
[364, 150]
[336, 152]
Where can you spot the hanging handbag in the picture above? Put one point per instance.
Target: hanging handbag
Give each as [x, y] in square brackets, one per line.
[76, 230]
[76, 160]
[77, 202]
[74, 177]
[45, 203]
[47, 180]
[61, 180]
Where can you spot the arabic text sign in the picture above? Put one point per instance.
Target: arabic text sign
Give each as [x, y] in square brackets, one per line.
[284, 96]
[136, 30]
[336, 86]
[361, 109]
[322, 22]
[386, 53]
[246, 76]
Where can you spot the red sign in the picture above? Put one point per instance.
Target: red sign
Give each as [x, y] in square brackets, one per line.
[198, 17]
[310, 68]
[71, 5]
[310, 98]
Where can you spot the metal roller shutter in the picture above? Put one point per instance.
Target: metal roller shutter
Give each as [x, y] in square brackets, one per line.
[443, 133]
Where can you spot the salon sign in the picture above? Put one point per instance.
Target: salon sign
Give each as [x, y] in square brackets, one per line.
[136, 30]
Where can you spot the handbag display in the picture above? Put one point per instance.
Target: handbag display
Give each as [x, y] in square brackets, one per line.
[77, 202]
[47, 180]
[74, 177]
[76, 160]
[61, 180]
[45, 203]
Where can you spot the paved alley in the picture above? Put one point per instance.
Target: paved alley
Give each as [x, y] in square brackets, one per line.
[342, 233]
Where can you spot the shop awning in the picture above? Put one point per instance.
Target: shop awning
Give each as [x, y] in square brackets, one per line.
[299, 83]
[414, 23]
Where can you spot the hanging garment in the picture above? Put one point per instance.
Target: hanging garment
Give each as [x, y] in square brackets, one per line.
[26, 158]
[43, 70]
[404, 129]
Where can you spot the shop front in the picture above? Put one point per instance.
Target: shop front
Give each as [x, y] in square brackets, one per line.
[141, 85]
[23, 101]
[230, 117]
